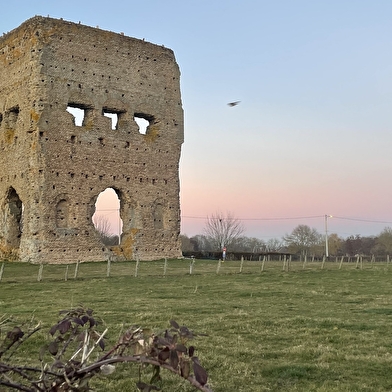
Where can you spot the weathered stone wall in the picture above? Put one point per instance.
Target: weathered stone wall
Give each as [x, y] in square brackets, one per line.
[52, 171]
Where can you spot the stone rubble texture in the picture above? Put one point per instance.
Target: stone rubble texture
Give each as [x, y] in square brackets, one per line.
[52, 170]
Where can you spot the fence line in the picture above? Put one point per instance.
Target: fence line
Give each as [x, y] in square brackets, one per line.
[22, 272]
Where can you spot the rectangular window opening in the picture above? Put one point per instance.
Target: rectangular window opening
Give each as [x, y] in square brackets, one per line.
[143, 121]
[80, 112]
[114, 115]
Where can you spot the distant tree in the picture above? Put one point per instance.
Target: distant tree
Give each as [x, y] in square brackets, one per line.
[356, 245]
[223, 230]
[248, 244]
[201, 243]
[335, 244]
[186, 244]
[102, 226]
[303, 240]
[383, 243]
[274, 245]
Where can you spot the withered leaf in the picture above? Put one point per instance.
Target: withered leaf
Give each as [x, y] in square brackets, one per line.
[15, 334]
[200, 374]
[53, 329]
[77, 320]
[174, 359]
[181, 348]
[64, 326]
[162, 341]
[102, 344]
[164, 354]
[185, 368]
[174, 324]
[53, 348]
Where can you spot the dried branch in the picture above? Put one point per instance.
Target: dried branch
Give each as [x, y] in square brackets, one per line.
[77, 335]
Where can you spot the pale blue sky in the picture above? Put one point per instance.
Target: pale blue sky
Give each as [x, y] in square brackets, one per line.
[312, 134]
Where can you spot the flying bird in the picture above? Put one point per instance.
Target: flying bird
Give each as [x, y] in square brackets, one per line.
[231, 104]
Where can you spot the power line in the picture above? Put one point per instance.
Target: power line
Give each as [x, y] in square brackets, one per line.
[276, 218]
[260, 219]
[361, 219]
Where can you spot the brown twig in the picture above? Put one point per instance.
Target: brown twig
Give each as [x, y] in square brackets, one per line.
[139, 359]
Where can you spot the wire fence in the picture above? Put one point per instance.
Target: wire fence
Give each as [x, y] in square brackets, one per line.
[15, 272]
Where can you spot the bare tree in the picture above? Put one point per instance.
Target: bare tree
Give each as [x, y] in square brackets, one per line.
[274, 245]
[384, 242]
[102, 226]
[303, 240]
[223, 229]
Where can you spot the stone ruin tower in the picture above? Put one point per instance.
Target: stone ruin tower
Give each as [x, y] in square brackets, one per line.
[52, 170]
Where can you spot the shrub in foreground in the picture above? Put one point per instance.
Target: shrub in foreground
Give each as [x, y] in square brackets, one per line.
[66, 362]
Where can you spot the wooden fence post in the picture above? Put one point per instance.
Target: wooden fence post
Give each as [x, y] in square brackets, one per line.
[137, 266]
[305, 260]
[66, 273]
[356, 265]
[218, 266]
[191, 266]
[341, 262]
[41, 267]
[76, 270]
[242, 263]
[1, 271]
[165, 267]
[108, 267]
[263, 263]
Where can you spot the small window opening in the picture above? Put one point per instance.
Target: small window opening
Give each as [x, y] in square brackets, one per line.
[113, 117]
[78, 114]
[143, 122]
[12, 117]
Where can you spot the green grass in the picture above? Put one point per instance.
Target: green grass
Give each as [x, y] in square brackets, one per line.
[306, 329]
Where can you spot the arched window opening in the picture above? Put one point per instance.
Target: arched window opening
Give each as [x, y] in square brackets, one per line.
[82, 114]
[106, 219]
[13, 218]
[62, 214]
[143, 121]
[78, 114]
[158, 216]
[113, 117]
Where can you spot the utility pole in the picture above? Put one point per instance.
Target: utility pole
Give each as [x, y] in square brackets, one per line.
[326, 235]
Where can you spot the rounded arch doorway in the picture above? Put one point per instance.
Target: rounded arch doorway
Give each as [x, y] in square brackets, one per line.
[106, 219]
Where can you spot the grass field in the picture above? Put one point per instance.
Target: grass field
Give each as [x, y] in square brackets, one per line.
[307, 329]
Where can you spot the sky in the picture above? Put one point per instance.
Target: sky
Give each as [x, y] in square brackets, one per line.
[311, 135]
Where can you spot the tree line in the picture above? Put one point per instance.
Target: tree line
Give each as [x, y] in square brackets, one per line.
[226, 231]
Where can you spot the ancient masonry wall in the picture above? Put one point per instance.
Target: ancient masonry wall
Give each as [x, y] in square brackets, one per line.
[52, 171]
